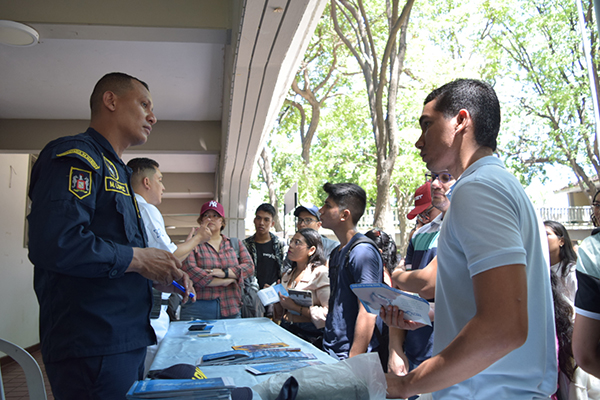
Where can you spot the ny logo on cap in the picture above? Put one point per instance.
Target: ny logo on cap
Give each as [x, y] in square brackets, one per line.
[212, 203]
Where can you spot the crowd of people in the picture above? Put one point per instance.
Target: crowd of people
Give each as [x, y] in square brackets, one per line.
[515, 309]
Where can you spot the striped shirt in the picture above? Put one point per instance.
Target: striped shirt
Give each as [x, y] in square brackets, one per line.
[204, 258]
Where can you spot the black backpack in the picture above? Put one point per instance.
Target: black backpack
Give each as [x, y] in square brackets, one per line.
[381, 330]
[251, 304]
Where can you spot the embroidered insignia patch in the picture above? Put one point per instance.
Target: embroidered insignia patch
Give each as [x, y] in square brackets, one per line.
[113, 185]
[80, 182]
[81, 154]
[111, 168]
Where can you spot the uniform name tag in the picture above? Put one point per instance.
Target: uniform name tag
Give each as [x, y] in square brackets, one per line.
[113, 185]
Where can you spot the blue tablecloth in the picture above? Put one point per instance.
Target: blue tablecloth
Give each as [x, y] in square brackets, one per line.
[181, 346]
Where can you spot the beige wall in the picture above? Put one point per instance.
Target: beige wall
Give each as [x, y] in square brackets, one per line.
[18, 304]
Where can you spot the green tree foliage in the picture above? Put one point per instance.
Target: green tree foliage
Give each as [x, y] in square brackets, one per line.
[540, 67]
[375, 33]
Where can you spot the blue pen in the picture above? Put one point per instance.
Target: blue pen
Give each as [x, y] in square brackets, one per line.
[178, 286]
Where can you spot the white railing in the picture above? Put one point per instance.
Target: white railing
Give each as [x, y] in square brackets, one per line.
[570, 217]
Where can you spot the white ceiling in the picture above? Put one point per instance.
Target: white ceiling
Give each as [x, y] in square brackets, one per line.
[54, 79]
[218, 71]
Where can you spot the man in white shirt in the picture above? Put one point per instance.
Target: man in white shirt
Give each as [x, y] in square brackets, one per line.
[146, 181]
[494, 334]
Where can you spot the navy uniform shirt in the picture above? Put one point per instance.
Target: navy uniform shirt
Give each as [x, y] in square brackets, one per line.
[83, 225]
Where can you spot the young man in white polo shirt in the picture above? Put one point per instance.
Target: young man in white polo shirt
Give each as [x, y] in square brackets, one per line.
[495, 336]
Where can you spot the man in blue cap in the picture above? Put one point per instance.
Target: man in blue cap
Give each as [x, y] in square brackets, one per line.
[309, 217]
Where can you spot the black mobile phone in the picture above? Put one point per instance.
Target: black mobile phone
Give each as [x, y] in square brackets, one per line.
[197, 327]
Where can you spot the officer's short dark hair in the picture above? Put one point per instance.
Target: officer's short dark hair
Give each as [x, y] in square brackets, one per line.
[142, 167]
[116, 82]
[268, 208]
[348, 196]
[475, 96]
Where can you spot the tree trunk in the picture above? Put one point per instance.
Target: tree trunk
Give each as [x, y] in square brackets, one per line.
[264, 162]
[381, 75]
[403, 200]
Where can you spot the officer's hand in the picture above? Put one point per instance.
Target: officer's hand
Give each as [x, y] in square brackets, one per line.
[186, 282]
[157, 265]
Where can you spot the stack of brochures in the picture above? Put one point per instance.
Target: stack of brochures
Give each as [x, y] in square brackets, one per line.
[212, 388]
[254, 357]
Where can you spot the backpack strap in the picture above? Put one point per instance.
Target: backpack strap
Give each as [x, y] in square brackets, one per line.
[235, 243]
[358, 241]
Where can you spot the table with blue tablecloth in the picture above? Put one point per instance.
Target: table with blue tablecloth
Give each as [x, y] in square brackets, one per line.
[181, 346]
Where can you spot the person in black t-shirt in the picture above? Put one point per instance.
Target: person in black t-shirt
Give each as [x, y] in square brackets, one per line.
[266, 249]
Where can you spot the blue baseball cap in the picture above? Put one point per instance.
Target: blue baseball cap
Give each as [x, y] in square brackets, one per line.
[314, 210]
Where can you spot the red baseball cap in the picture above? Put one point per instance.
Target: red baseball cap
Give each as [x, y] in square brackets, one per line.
[422, 200]
[216, 206]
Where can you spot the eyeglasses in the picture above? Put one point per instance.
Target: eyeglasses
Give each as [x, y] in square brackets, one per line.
[297, 243]
[444, 177]
[424, 215]
[306, 221]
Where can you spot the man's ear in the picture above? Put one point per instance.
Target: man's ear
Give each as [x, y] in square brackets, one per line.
[109, 99]
[346, 215]
[463, 121]
[319, 224]
[146, 182]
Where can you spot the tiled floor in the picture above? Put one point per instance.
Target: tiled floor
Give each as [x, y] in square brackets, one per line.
[13, 378]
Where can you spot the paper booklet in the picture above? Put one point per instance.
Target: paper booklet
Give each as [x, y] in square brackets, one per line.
[262, 346]
[262, 369]
[375, 295]
[270, 295]
[301, 297]
[253, 357]
[211, 388]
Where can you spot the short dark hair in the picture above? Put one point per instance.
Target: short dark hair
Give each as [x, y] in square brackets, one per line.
[141, 164]
[349, 196]
[266, 207]
[475, 96]
[141, 167]
[116, 82]
[313, 238]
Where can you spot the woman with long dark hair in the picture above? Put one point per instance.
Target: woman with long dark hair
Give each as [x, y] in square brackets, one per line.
[389, 252]
[308, 273]
[563, 258]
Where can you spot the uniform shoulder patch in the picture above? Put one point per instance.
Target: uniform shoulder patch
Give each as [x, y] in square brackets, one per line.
[78, 152]
[112, 170]
[80, 182]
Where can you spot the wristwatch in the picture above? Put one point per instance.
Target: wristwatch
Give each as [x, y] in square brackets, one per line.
[226, 272]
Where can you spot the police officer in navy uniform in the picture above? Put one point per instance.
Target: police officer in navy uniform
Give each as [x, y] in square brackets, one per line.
[92, 273]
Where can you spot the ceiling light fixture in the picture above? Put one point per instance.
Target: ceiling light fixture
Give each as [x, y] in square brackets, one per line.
[17, 34]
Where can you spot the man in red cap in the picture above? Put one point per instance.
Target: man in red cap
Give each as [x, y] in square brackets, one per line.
[414, 347]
